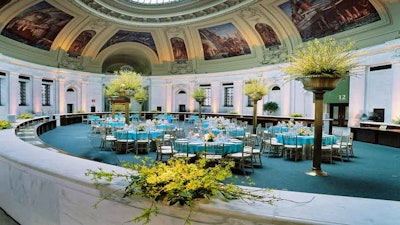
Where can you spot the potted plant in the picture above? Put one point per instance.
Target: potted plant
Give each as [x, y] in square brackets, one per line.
[255, 90]
[319, 65]
[270, 107]
[123, 87]
[199, 94]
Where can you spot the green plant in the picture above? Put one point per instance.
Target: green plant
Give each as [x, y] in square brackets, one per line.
[255, 90]
[125, 83]
[5, 124]
[199, 94]
[232, 112]
[24, 116]
[326, 57]
[177, 182]
[397, 121]
[296, 115]
[80, 111]
[270, 107]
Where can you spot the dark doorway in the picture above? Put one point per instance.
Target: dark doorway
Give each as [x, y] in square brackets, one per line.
[93, 109]
[70, 108]
[182, 108]
[339, 113]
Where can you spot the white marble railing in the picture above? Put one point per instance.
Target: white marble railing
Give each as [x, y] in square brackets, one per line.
[40, 187]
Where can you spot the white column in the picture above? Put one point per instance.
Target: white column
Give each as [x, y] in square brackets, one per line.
[396, 90]
[84, 98]
[13, 95]
[238, 96]
[36, 94]
[215, 96]
[168, 96]
[191, 101]
[61, 96]
[357, 91]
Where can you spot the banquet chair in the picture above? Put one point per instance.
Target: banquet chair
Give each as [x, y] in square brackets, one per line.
[123, 144]
[249, 146]
[106, 139]
[163, 150]
[350, 144]
[272, 146]
[291, 148]
[242, 160]
[142, 144]
[213, 152]
[181, 150]
[326, 148]
[341, 149]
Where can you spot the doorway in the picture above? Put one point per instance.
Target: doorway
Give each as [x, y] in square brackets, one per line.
[70, 108]
[340, 114]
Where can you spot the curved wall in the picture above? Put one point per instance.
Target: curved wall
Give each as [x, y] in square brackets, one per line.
[42, 187]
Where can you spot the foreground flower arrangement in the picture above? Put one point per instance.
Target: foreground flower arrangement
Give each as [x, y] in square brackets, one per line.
[178, 183]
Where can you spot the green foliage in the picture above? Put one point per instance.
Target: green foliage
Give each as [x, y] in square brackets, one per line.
[270, 106]
[24, 116]
[296, 115]
[140, 95]
[232, 112]
[325, 57]
[5, 124]
[126, 82]
[199, 94]
[255, 89]
[397, 121]
[176, 182]
[80, 111]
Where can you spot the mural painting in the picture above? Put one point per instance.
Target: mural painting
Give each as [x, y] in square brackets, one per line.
[319, 18]
[144, 38]
[37, 26]
[80, 43]
[3, 3]
[267, 34]
[179, 49]
[223, 41]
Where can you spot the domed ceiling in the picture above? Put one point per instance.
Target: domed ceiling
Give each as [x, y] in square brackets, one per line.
[168, 37]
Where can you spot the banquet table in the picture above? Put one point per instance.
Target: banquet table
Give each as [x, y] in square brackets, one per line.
[137, 135]
[307, 142]
[169, 118]
[169, 126]
[278, 129]
[113, 123]
[230, 145]
[232, 132]
[93, 118]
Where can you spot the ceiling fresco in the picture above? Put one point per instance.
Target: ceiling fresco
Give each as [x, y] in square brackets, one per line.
[37, 26]
[186, 36]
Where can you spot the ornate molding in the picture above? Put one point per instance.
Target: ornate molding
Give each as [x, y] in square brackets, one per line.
[275, 54]
[181, 67]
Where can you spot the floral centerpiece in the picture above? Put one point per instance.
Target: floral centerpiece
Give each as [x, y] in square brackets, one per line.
[141, 127]
[177, 183]
[24, 116]
[209, 137]
[304, 131]
[220, 125]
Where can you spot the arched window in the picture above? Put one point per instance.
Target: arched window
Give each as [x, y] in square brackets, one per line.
[70, 90]
[181, 92]
[276, 88]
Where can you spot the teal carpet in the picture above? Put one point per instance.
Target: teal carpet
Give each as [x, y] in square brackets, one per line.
[373, 173]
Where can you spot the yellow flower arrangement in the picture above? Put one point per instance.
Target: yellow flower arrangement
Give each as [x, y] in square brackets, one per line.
[255, 89]
[126, 82]
[209, 137]
[199, 94]
[326, 57]
[304, 131]
[26, 116]
[5, 124]
[177, 182]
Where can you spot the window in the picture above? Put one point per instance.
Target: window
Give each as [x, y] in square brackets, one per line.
[250, 102]
[45, 94]
[207, 89]
[228, 95]
[22, 93]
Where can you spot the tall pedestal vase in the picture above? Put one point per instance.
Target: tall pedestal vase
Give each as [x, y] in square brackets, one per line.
[200, 100]
[318, 85]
